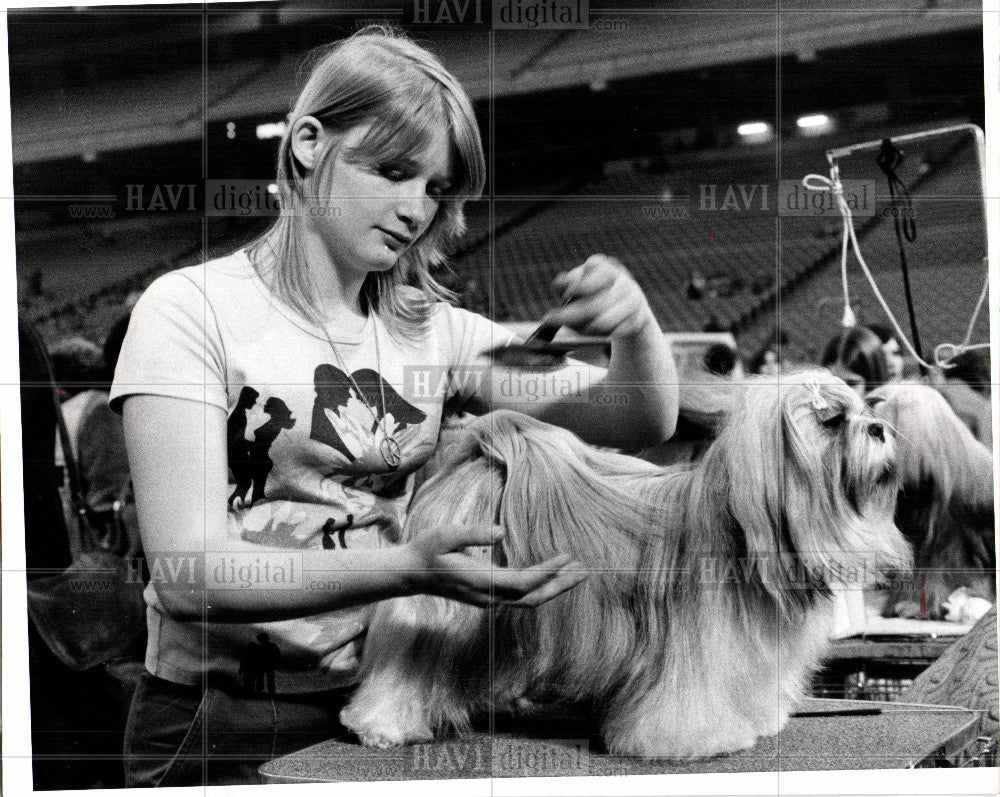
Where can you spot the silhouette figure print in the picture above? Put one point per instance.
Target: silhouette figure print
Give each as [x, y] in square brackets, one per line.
[332, 527]
[237, 445]
[334, 419]
[258, 661]
[259, 450]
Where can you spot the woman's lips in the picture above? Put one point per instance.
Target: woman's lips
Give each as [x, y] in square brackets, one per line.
[395, 240]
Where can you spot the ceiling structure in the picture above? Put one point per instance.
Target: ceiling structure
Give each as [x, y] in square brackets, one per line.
[93, 81]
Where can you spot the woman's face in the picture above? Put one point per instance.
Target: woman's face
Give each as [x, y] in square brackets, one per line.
[368, 214]
[894, 360]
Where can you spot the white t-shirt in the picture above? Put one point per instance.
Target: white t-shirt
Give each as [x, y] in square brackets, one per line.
[305, 467]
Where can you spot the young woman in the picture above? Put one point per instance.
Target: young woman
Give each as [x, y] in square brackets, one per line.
[313, 368]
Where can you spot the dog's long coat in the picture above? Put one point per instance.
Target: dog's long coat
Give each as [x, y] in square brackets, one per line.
[708, 604]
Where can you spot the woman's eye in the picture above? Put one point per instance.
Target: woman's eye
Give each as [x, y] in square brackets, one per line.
[394, 173]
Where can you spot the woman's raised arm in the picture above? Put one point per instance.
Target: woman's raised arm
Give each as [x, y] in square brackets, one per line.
[631, 405]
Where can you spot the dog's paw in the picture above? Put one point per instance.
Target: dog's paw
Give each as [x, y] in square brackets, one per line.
[721, 744]
[772, 725]
[382, 733]
[692, 743]
[389, 740]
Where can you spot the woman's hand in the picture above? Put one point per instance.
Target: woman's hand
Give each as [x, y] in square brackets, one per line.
[601, 299]
[440, 567]
[631, 404]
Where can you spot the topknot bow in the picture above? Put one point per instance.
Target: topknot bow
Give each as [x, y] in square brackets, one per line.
[824, 411]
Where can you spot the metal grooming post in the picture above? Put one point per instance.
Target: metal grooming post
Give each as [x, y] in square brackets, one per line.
[833, 156]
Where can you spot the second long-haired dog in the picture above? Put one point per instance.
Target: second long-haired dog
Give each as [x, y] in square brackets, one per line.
[708, 604]
[945, 502]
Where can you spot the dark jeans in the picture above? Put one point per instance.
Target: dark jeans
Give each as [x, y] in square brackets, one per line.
[185, 736]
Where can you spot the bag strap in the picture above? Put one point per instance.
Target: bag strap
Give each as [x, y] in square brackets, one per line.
[88, 538]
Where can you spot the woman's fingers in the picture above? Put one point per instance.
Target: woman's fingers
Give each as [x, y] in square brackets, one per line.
[452, 572]
[514, 584]
[567, 578]
[530, 586]
[602, 298]
[598, 273]
[577, 312]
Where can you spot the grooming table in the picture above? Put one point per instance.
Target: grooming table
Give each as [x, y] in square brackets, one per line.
[901, 736]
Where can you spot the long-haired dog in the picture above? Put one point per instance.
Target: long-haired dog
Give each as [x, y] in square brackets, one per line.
[945, 502]
[707, 606]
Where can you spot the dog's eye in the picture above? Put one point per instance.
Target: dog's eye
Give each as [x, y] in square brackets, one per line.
[834, 421]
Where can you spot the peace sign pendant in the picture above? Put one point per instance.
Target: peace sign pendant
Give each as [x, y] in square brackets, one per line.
[390, 451]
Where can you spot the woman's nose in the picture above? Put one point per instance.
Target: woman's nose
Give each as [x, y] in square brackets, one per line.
[414, 211]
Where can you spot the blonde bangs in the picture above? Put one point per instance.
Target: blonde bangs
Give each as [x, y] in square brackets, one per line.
[380, 78]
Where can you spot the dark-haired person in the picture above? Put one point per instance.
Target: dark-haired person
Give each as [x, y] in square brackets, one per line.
[858, 356]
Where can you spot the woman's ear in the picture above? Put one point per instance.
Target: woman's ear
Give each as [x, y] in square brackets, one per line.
[308, 141]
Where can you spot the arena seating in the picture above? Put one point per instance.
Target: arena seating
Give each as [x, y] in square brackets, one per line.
[747, 255]
[945, 263]
[627, 213]
[86, 271]
[141, 110]
[703, 267]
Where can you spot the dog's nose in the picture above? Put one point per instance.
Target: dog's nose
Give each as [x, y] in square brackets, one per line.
[877, 431]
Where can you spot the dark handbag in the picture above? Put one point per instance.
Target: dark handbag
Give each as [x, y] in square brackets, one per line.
[93, 611]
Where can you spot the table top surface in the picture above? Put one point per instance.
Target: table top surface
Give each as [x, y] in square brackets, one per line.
[890, 648]
[899, 736]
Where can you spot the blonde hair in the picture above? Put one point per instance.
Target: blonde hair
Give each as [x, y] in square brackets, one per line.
[377, 77]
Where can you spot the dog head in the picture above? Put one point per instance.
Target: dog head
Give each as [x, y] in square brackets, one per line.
[808, 475]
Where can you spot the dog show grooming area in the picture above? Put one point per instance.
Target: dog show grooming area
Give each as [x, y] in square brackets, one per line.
[460, 398]
[921, 729]
[828, 736]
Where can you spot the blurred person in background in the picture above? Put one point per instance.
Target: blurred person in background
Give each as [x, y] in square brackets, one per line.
[858, 356]
[899, 364]
[75, 731]
[97, 439]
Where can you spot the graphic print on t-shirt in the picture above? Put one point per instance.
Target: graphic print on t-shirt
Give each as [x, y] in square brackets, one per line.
[263, 436]
[250, 461]
[344, 421]
[237, 444]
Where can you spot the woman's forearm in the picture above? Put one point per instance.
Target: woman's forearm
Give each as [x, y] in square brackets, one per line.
[634, 404]
[640, 389]
[630, 406]
[246, 582]
[241, 581]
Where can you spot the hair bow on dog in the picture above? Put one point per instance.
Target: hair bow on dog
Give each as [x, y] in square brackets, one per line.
[824, 411]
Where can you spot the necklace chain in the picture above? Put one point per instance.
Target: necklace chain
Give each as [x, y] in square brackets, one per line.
[388, 446]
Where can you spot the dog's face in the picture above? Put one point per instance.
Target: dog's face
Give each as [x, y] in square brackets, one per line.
[831, 437]
[809, 469]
